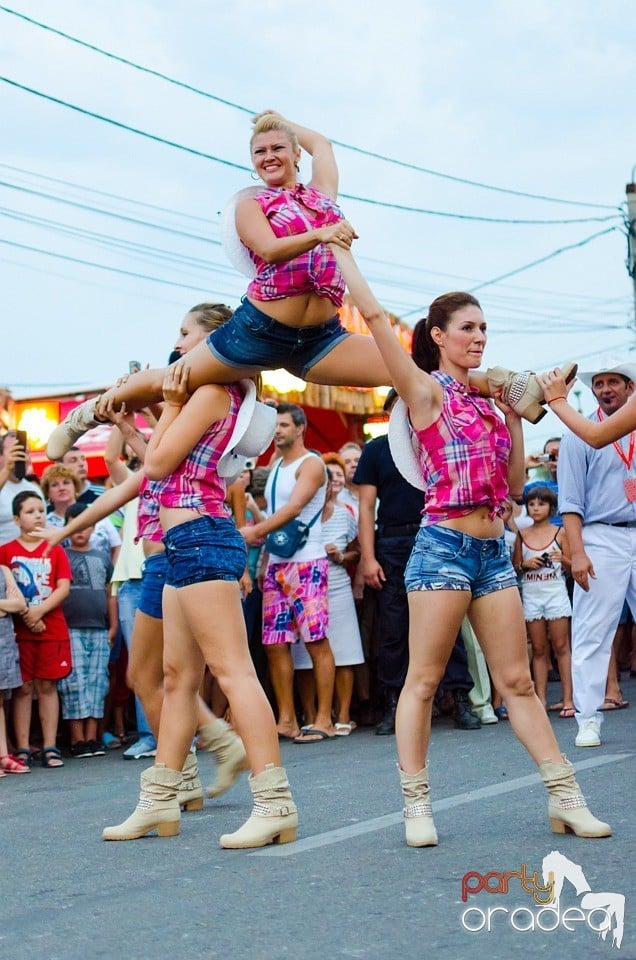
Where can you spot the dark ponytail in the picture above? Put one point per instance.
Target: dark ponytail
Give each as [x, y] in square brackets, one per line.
[424, 350]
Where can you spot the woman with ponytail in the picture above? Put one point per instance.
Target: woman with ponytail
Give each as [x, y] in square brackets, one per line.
[468, 458]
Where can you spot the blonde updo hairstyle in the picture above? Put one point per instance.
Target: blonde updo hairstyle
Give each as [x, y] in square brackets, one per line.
[266, 122]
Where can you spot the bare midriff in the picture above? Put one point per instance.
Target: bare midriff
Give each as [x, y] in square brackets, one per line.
[151, 547]
[479, 524]
[173, 516]
[306, 310]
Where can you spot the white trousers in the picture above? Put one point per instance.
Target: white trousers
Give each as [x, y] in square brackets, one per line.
[595, 614]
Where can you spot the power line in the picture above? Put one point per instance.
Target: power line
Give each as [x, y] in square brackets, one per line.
[549, 256]
[237, 106]
[105, 193]
[97, 266]
[527, 266]
[239, 166]
[108, 213]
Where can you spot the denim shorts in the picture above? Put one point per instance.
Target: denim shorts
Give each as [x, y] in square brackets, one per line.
[445, 559]
[252, 340]
[153, 577]
[208, 548]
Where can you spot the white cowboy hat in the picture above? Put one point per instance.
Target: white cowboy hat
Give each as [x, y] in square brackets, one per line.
[252, 434]
[404, 445]
[234, 249]
[608, 364]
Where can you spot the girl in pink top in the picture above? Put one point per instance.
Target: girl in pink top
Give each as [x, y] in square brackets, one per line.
[203, 618]
[289, 316]
[460, 565]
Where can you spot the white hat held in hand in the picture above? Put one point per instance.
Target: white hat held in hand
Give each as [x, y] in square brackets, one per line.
[404, 445]
[253, 432]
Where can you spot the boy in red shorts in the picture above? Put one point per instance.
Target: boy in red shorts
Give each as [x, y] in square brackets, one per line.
[41, 632]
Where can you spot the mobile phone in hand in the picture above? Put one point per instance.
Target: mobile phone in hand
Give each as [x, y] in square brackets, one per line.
[19, 467]
[134, 366]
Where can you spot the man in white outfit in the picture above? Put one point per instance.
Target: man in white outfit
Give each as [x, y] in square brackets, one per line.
[597, 500]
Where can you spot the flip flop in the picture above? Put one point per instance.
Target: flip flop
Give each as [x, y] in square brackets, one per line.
[314, 736]
[609, 704]
[567, 713]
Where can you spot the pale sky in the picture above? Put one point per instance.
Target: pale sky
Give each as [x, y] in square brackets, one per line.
[536, 98]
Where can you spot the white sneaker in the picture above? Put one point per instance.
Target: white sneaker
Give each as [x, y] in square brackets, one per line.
[75, 425]
[486, 714]
[589, 734]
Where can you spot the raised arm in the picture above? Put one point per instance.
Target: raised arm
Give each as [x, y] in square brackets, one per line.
[421, 393]
[324, 170]
[596, 435]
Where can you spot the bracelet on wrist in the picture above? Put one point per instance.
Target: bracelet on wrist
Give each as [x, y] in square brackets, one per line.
[554, 400]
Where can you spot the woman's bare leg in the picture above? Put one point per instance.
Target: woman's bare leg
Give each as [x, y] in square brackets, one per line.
[223, 644]
[183, 667]
[145, 666]
[435, 617]
[146, 387]
[497, 619]
[354, 362]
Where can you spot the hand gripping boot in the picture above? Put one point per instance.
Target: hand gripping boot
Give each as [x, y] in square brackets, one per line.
[190, 792]
[521, 390]
[74, 426]
[274, 818]
[231, 760]
[567, 808]
[157, 809]
[418, 813]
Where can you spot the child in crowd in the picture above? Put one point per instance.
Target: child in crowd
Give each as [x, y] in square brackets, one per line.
[41, 631]
[11, 601]
[91, 614]
[541, 556]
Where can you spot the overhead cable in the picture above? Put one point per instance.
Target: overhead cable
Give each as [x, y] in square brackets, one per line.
[346, 146]
[239, 166]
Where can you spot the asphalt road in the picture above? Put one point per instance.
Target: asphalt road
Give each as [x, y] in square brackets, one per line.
[349, 887]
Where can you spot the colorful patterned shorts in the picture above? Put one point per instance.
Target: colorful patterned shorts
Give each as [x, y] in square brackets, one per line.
[295, 604]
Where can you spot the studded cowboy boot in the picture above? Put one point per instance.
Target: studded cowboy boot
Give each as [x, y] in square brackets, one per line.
[157, 808]
[231, 760]
[567, 808]
[274, 817]
[418, 813]
[190, 792]
[521, 390]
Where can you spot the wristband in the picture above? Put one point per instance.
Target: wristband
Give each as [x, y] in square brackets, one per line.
[554, 400]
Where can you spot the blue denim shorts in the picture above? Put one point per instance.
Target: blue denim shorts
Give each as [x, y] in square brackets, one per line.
[153, 577]
[209, 548]
[254, 341]
[445, 559]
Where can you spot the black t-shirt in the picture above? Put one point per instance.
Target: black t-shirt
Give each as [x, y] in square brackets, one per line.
[85, 608]
[398, 502]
